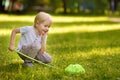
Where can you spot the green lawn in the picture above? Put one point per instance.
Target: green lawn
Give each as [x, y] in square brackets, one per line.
[93, 42]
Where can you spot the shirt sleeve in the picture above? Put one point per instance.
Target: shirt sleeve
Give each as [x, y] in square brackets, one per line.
[23, 30]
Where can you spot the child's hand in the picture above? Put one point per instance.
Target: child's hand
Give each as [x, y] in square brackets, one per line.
[44, 33]
[43, 38]
[42, 50]
[11, 48]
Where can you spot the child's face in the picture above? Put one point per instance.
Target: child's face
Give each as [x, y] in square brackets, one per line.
[44, 26]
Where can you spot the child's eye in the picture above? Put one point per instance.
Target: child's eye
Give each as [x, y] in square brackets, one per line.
[47, 26]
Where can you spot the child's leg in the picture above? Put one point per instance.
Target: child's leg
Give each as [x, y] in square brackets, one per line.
[24, 58]
[46, 58]
[27, 62]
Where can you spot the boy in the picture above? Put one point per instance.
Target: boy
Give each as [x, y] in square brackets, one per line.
[33, 39]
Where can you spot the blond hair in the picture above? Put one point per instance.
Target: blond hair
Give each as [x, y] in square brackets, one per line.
[41, 17]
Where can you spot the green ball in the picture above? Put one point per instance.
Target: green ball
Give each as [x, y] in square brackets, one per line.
[75, 69]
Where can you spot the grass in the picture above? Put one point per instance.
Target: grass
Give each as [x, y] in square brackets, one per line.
[92, 42]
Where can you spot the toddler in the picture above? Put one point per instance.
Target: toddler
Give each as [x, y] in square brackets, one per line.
[33, 39]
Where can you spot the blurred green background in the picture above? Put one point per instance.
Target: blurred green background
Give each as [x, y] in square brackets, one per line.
[60, 6]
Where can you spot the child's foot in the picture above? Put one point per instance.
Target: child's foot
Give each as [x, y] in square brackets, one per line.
[29, 64]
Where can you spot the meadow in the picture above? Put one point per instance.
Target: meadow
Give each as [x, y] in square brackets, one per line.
[91, 41]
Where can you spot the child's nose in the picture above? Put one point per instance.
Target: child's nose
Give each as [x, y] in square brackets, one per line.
[47, 29]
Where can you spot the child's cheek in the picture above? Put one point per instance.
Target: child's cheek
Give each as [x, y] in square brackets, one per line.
[43, 32]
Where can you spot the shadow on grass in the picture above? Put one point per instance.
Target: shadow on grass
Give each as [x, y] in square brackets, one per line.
[14, 24]
[13, 67]
[63, 24]
[72, 42]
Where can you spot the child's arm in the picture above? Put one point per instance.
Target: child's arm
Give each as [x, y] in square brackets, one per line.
[43, 45]
[12, 39]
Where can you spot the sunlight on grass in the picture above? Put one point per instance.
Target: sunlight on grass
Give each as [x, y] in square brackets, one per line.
[17, 60]
[63, 29]
[87, 55]
[99, 51]
[58, 30]
[55, 18]
[84, 29]
[78, 19]
[5, 32]
[16, 18]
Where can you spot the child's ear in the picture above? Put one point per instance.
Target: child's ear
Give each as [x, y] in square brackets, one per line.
[37, 22]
